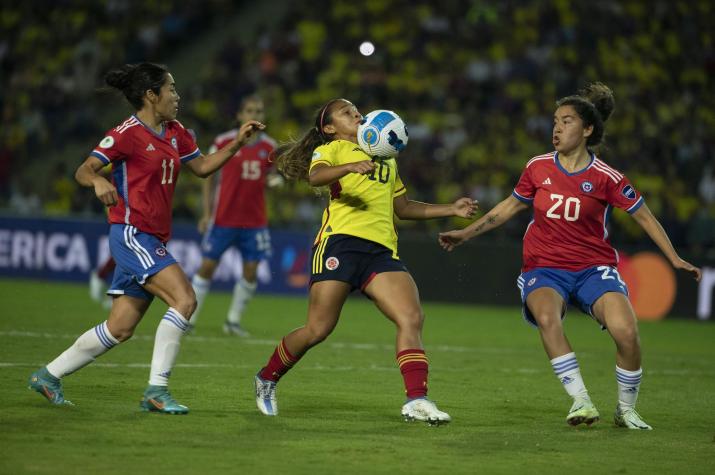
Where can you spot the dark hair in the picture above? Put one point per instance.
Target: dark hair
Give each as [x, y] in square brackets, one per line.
[293, 158]
[135, 79]
[594, 105]
[249, 98]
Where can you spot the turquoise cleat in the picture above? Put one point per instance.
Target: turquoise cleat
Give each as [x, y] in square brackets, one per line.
[158, 399]
[49, 386]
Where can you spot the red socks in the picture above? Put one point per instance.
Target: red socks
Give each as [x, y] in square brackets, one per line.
[414, 367]
[280, 363]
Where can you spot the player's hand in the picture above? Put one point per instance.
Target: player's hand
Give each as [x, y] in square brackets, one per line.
[247, 130]
[465, 207]
[687, 266]
[105, 191]
[362, 167]
[203, 224]
[451, 239]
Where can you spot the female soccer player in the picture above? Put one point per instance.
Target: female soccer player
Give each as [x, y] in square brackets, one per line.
[235, 215]
[356, 248]
[567, 256]
[146, 150]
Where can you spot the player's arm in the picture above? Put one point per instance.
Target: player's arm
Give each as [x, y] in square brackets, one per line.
[88, 174]
[321, 175]
[205, 165]
[409, 209]
[497, 216]
[644, 217]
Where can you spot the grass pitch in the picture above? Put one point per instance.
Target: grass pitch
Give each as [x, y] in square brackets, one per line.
[340, 406]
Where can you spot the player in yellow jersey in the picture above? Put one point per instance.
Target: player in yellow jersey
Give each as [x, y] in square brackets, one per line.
[356, 248]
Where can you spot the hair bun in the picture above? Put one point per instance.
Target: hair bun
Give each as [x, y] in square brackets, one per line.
[120, 78]
[601, 96]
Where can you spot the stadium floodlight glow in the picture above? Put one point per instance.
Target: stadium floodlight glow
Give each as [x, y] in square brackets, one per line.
[367, 48]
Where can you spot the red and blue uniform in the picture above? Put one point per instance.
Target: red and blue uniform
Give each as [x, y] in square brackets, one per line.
[239, 215]
[566, 245]
[145, 169]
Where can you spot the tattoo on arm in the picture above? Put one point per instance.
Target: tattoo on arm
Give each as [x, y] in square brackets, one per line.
[492, 219]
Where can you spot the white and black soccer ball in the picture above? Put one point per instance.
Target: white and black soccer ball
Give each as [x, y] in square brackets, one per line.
[382, 134]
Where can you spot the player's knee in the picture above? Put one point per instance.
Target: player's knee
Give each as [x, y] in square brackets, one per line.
[412, 321]
[548, 322]
[626, 335]
[122, 334]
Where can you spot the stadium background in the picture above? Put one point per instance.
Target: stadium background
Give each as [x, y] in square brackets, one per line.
[476, 82]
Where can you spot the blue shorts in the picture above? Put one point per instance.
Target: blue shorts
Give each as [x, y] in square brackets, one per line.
[138, 256]
[254, 243]
[580, 288]
[351, 259]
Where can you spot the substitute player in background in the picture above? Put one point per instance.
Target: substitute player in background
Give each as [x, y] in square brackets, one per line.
[147, 151]
[567, 257]
[234, 214]
[356, 248]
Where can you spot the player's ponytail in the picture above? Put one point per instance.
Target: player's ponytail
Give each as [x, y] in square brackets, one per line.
[293, 158]
[135, 79]
[594, 105]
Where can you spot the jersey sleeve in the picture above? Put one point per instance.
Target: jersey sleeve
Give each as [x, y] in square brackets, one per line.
[400, 188]
[114, 146]
[525, 189]
[186, 145]
[624, 195]
[322, 155]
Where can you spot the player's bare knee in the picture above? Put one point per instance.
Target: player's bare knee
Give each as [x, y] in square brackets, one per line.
[548, 322]
[411, 321]
[318, 333]
[122, 334]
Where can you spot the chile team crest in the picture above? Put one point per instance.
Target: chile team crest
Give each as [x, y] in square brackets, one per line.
[586, 186]
[160, 251]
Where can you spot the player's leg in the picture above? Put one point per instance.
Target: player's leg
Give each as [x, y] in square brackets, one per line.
[326, 300]
[172, 286]
[397, 297]
[614, 311]
[124, 316]
[255, 245]
[201, 283]
[545, 307]
[243, 292]
[98, 278]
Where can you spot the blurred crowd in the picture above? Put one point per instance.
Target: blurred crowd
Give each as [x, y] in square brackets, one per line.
[476, 81]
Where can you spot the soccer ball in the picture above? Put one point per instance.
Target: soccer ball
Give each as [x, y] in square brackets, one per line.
[382, 134]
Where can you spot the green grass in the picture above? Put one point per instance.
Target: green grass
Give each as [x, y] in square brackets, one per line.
[340, 407]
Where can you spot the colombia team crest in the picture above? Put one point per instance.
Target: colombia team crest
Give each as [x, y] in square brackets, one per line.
[332, 263]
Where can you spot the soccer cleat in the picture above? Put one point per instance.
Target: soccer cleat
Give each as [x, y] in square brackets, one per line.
[158, 399]
[96, 287]
[629, 419]
[230, 328]
[266, 396]
[582, 412]
[422, 409]
[49, 386]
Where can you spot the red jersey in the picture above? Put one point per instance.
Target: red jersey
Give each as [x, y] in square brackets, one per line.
[145, 169]
[571, 212]
[239, 198]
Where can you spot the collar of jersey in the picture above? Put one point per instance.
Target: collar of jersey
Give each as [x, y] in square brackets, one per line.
[163, 127]
[566, 172]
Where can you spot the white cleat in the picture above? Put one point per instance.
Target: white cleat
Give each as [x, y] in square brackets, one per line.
[422, 409]
[230, 328]
[582, 412]
[629, 419]
[96, 287]
[266, 396]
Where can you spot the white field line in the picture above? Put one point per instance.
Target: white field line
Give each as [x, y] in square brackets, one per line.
[273, 343]
[318, 367]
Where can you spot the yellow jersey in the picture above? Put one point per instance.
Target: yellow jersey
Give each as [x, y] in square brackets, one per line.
[360, 205]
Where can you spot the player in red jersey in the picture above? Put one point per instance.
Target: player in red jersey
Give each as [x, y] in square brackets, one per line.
[235, 215]
[147, 151]
[567, 257]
